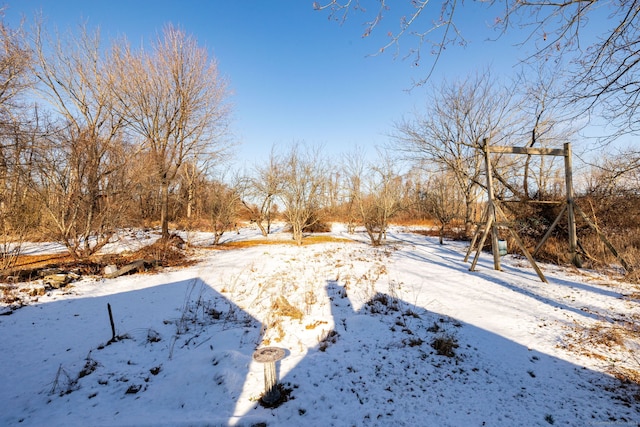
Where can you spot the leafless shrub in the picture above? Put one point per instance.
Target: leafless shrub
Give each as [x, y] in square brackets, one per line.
[382, 304]
[375, 195]
[89, 367]
[63, 383]
[445, 345]
[225, 204]
[153, 336]
[327, 338]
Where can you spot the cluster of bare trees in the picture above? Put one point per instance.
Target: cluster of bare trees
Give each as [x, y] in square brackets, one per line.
[595, 41]
[15, 79]
[123, 135]
[118, 134]
[311, 190]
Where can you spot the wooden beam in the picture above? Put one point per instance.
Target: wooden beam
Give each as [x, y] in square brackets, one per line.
[571, 217]
[478, 231]
[485, 233]
[550, 229]
[524, 250]
[527, 150]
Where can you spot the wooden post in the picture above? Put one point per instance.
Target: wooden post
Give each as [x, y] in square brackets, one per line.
[113, 327]
[487, 226]
[571, 216]
[491, 207]
[524, 250]
[479, 230]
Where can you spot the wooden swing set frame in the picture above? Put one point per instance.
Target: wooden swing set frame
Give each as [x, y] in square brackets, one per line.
[494, 217]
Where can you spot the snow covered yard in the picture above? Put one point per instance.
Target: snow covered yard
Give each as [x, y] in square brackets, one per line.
[402, 334]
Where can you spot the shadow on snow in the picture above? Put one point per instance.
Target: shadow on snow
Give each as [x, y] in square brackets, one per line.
[376, 366]
[350, 378]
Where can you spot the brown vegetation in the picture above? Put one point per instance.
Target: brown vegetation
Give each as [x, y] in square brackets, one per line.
[162, 253]
[78, 175]
[310, 240]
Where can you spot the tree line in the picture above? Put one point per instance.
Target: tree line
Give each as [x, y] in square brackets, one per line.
[117, 130]
[124, 136]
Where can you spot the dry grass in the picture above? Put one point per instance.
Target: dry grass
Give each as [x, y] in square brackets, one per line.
[315, 324]
[40, 261]
[310, 240]
[595, 341]
[168, 253]
[626, 375]
[410, 222]
[609, 342]
[445, 345]
[282, 307]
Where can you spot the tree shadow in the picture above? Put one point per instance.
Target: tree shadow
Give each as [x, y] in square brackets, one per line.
[381, 365]
[183, 353]
[453, 260]
[186, 353]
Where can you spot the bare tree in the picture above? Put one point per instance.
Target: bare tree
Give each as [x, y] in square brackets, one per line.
[302, 175]
[175, 101]
[20, 213]
[190, 176]
[616, 171]
[80, 163]
[444, 200]
[426, 22]
[226, 202]
[193, 177]
[260, 193]
[544, 124]
[604, 73]
[15, 149]
[376, 193]
[145, 187]
[15, 63]
[450, 132]
[81, 193]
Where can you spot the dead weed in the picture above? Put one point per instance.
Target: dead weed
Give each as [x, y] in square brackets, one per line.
[609, 342]
[282, 307]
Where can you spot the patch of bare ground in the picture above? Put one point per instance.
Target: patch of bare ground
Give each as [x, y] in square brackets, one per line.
[169, 252]
[163, 253]
[310, 240]
[39, 273]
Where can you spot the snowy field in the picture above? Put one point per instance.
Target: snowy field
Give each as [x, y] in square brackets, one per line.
[399, 335]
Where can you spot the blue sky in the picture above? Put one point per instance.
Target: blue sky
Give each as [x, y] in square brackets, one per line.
[296, 76]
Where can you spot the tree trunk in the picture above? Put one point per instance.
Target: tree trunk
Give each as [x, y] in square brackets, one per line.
[525, 178]
[468, 218]
[164, 209]
[190, 198]
[296, 230]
